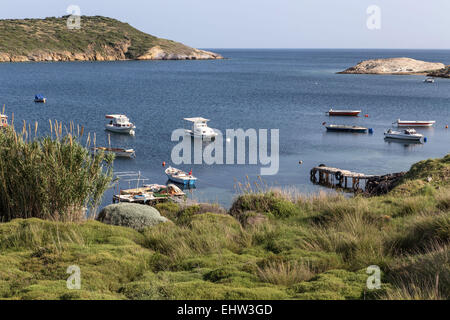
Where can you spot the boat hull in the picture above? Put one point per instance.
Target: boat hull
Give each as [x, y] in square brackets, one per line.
[416, 123]
[403, 137]
[344, 113]
[186, 182]
[126, 130]
[201, 136]
[347, 129]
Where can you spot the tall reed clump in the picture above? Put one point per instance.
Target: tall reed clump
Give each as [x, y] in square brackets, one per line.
[53, 178]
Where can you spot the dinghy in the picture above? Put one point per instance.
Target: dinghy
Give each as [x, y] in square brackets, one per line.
[348, 113]
[415, 123]
[119, 152]
[346, 128]
[181, 177]
[39, 98]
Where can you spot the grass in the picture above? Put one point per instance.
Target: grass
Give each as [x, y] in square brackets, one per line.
[100, 35]
[299, 247]
[50, 178]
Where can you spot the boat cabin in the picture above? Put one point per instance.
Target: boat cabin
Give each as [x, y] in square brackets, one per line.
[119, 120]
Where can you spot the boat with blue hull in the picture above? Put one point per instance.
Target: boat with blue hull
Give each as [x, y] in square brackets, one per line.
[39, 98]
[180, 177]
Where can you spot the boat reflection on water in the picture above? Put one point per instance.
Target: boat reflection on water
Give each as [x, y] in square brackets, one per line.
[407, 144]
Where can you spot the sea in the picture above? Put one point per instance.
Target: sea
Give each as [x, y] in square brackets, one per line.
[285, 90]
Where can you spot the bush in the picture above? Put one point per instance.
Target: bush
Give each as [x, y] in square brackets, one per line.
[48, 178]
[136, 216]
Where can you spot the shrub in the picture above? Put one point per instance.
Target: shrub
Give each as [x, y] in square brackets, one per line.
[422, 233]
[131, 215]
[49, 178]
[285, 273]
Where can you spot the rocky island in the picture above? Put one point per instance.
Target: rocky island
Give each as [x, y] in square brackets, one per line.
[98, 39]
[405, 66]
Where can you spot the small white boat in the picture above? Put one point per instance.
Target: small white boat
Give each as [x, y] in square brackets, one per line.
[200, 128]
[429, 80]
[407, 134]
[181, 177]
[119, 152]
[119, 123]
[3, 120]
[404, 123]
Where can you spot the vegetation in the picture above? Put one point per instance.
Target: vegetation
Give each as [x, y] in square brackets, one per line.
[50, 178]
[101, 35]
[270, 245]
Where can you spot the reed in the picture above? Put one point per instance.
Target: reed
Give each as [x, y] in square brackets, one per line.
[53, 177]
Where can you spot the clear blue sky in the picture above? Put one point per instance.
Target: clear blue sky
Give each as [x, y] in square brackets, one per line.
[266, 23]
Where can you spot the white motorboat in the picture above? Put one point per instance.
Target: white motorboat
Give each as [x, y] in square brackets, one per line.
[407, 134]
[415, 123]
[200, 128]
[181, 177]
[429, 80]
[120, 123]
[119, 152]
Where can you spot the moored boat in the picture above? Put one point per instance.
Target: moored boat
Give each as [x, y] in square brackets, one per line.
[120, 123]
[119, 152]
[3, 120]
[415, 123]
[346, 128]
[407, 134]
[181, 177]
[200, 128]
[39, 98]
[348, 113]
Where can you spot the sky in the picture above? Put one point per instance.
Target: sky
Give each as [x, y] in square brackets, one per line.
[397, 24]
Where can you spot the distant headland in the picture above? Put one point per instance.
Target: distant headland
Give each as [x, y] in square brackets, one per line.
[98, 39]
[400, 66]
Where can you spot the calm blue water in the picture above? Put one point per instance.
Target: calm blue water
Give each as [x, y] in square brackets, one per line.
[286, 89]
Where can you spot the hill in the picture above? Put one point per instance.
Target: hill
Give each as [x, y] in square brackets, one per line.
[99, 39]
[271, 245]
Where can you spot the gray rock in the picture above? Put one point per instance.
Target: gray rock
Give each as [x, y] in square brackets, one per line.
[136, 216]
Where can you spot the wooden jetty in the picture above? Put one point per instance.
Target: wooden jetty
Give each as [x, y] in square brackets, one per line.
[338, 178]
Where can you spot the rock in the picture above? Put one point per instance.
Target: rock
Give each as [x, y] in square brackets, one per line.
[136, 216]
[442, 73]
[394, 66]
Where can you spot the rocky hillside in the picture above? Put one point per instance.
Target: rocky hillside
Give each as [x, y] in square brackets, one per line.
[99, 39]
[394, 66]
